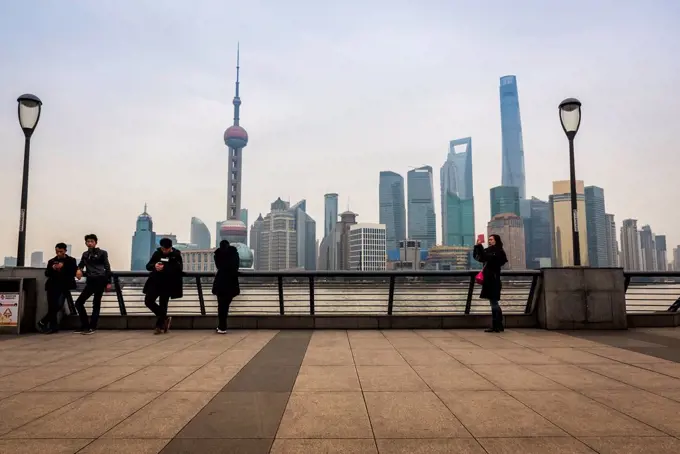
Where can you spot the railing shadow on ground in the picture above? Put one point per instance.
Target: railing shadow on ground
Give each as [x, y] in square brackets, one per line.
[434, 293]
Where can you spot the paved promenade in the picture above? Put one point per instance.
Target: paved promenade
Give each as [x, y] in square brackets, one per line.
[363, 392]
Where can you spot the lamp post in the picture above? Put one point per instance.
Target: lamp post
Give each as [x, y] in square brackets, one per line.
[29, 114]
[570, 117]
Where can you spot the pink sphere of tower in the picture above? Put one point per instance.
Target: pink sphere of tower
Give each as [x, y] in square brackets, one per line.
[235, 137]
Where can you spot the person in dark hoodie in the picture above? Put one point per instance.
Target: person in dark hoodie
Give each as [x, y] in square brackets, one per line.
[225, 284]
[164, 283]
[61, 279]
[94, 265]
[493, 259]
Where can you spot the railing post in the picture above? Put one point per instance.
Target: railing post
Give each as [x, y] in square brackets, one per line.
[199, 289]
[626, 283]
[390, 297]
[279, 279]
[311, 295]
[471, 288]
[119, 295]
[530, 298]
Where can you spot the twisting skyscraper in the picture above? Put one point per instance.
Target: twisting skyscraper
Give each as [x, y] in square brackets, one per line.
[458, 208]
[511, 130]
[236, 138]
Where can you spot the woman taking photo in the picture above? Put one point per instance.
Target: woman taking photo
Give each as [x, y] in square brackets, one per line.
[493, 259]
[225, 284]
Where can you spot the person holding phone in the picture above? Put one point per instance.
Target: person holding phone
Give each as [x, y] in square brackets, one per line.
[493, 258]
[95, 266]
[164, 283]
[61, 279]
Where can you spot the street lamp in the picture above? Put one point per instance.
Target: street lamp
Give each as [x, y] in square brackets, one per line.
[570, 117]
[29, 114]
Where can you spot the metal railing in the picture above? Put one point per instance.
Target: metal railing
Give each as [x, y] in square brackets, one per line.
[332, 293]
[652, 291]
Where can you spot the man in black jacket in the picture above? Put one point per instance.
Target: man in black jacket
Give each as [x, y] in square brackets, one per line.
[61, 279]
[164, 283]
[97, 270]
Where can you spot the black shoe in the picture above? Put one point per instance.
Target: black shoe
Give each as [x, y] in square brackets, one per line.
[491, 330]
[42, 326]
[80, 331]
[166, 325]
[88, 332]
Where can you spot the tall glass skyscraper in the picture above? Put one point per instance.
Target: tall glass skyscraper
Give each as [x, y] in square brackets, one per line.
[330, 205]
[422, 222]
[538, 234]
[511, 130]
[596, 221]
[392, 207]
[611, 241]
[504, 199]
[458, 208]
[143, 242]
[305, 230]
[200, 234]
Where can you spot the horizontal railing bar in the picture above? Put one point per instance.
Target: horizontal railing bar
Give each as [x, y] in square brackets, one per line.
[323, 273]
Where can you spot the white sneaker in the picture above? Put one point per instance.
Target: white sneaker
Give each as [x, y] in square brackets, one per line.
[221, 331]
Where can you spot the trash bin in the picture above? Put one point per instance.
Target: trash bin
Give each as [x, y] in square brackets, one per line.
[13, 298]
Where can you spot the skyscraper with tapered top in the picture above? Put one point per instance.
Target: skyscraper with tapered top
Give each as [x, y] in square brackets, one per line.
[511, 131]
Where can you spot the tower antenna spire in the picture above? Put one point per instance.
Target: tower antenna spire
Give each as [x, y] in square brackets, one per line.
[237, 99]
[144, 207]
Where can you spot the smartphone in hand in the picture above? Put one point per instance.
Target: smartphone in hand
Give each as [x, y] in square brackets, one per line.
[480, 238]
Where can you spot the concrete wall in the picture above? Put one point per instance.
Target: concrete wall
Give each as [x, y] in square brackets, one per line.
[582, 298]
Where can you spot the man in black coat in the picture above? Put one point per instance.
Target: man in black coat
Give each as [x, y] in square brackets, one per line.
[61, 279]
[95, 266]
[164, 283]
[225, 284]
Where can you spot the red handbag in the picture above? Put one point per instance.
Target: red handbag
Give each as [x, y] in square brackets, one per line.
[480, 277]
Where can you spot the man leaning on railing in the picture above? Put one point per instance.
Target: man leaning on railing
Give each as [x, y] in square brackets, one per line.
[164, 283]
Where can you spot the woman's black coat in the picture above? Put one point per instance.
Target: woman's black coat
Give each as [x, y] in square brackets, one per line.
[227, 263]
[493, 259]
[169, 281]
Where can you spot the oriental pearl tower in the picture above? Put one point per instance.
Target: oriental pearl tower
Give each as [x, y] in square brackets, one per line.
[236, 138]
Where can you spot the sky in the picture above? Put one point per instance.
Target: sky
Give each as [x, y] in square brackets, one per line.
[137, 95]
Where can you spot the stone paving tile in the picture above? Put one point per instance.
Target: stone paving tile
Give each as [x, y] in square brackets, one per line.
[327, 378]
[574, 356]
[36, 376]
[238, 415]
[235, 356]
[152, 378]
[411, 415]
[90, 379]
[9, 370]
[673, 394]
[476, 356]
[162, 418]
[576, 378]
[624, 356]
[634, 445]
[515, 377]
[89, 417]
[636, 376]
[43, 446]
[23, 408]
[452, 377]
[526, 356]
[378, 357]
[331, 356]
[390, 378]
[658, 412]
[210, 377]
[105, 446]
[218, 446]
[370, 343]
[425, 356]
[188, 357]
[670, 369]
[325, 415]
[430, 446]
[334, 446]
[536, 445]
[580, 416]
[410, 342]
[496, 414]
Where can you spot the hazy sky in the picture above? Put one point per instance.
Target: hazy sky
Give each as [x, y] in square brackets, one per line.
[137, 95]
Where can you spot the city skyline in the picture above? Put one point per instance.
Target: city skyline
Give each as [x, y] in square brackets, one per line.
[171, 109]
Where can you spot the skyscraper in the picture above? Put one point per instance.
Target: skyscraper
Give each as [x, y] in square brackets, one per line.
[256, 241]
[596, 221]
[305, 228]
[538, 236]
[279, 239]
[367, 247]
[236, 138]
[422, 222]
[612, 244]
[504, 199]
[511, 230]
[334, 248]
[330, 206]
[648, 249]
[143, 242]
[37, 260]
[200, 234]
[676, 258]
[457, 199]
[560, 205]
[244, 219]
[631, 254]
[392, 207]
[661, 257]
[511, 130]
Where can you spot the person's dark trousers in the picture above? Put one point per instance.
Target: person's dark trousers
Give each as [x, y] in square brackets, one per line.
[496, 315]
[160, 309]
[95, 287]
[223, 303]
[55, 300]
